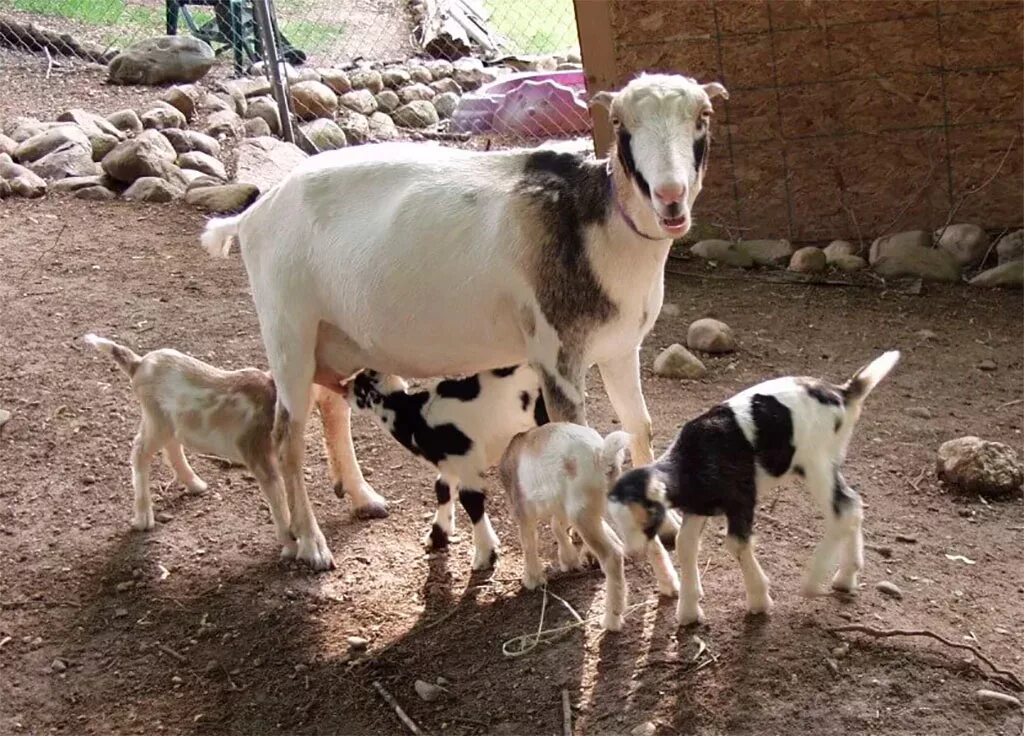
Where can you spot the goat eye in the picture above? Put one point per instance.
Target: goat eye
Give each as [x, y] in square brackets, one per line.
[615, 121]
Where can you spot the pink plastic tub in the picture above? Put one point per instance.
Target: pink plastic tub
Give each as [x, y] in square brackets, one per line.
[526, 105]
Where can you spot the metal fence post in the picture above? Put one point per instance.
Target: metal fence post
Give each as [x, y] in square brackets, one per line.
[265, 19]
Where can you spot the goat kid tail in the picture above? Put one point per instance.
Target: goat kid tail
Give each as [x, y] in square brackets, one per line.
[126, 359]
[613, 444]
[216, 238]
[865, 380]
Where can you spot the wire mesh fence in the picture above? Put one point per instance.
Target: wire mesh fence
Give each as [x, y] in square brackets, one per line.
[468, 72]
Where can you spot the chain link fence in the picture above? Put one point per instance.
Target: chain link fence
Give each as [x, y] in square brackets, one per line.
[479, 73]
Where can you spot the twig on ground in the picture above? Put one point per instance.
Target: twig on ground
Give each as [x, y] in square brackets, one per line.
[1009, 676]
[566, 714]
[917, 481]
[49, 62]
[402, 715]
[1010, 403]
[167, 650]
[34, 263]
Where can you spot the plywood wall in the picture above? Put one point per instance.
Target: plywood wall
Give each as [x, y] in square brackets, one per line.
[843, 114]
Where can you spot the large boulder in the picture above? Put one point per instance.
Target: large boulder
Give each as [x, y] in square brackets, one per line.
[152, 189]
[8, 145]
[766, 252]
[163, 115]
[967, 243]
[446, 84]
[366, 79]
[839, 248]
[58, 153]
[470, 73]
[355, 126]
[256, 128]
[445, 104]
[51, 140]
[162, 60]
[361, 101]
[207, 164]
[387, 100]
[324, 135]
[265, 107]
[101, 144]
[1011, 247]
[19, 180]
[416, 114]
[20, 129]
[337, 80]
[416, 92]
[909, 239]
[184, 98]
[127, 121]
[382, 127]
[223, 124]
[808, 260]
[312, 100]
[710, 336]
[74, 183]
[975, 466]
[395, 77]
[1008, 275]
[148, 154]
[223, 198]
[184, 141]
[675, 361]
[91, 123]
[263, 162]
[722, 251]
[908, 259]
[849, 263]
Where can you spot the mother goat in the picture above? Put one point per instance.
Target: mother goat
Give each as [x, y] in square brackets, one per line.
[424, 261]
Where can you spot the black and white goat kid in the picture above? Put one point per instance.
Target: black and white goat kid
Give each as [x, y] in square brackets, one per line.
[461, 426]
[722, 460]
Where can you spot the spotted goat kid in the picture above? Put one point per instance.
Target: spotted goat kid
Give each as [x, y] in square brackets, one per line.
[724, 459]
[461, 426]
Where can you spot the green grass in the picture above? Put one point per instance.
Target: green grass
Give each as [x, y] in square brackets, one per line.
[535, 26]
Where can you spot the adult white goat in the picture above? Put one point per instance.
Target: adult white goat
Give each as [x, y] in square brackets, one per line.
[424, 261]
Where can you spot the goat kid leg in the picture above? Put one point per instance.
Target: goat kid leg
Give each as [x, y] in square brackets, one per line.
[592, 529]
[272, 485]
[174, 453]
[664, 573]
[443, 525]
[820, 482]
[568, 556]
[346, 475]
[146, 444]
[533, 568]
[754, 579]
[848, 506]
[688, 610]
[485, 541]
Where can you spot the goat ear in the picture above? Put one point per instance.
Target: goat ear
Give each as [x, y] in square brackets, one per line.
[603, 99]
[714, 89]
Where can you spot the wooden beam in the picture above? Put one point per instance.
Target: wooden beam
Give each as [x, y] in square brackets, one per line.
[594, 25]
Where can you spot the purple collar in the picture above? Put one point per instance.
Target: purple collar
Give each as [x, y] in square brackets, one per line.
[625, 215]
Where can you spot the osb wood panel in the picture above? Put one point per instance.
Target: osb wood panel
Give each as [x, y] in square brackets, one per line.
[894, 111]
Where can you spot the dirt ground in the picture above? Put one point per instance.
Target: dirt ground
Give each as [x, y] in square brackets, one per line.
[196, 627]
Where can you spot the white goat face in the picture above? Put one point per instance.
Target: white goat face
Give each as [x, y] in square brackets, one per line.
[662, 126]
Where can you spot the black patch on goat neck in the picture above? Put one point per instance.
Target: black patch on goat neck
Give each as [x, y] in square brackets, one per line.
[504, 372]
[561, 406]
[821, 392]
[700, 149]
[565, 194]
[631, 488]
[624, 148]
[410, 428]
[773, 445]
[540, 411]
[463, 389]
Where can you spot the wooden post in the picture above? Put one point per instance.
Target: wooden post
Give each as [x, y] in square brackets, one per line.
[594, 24]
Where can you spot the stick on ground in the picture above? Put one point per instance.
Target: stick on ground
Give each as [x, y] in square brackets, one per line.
[566, 714]
[402, 715]
[1010, 677]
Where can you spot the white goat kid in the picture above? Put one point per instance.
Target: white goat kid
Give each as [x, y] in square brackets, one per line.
[724, 459]
[563, 472]
[461, 426]
[425, 261]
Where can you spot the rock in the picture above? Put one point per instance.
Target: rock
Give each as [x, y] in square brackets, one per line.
[20, 129]
[361, 101]
[416, 114]
[987, 365]
[387, 100]
[918, 412]
[90, 123]
[440, 68]
[382, 127]
[163, 116]
[101, 144]
[58, 665]
[839, 248]
[184, 98]
[446, 84]
[195, 179]
[51, 140]
[926, 334]
[671, 310]
[312, 100]
[1011, 247]
[8, 145]
[647, 728]
[366, 79]
[325, 135]
[95, 193]
[20, 181]
[256, 128]
[337, 80]
[395, 77]
[766, 252]
[849, 263]
[224, 124]
[710, 336]
[263, 162]
[251, 87]
[199, 161]
[808, 260]
[213, 103]
[416, 92]
[162, 60]
[890, 589]
[420, 74]
[5, 416]
[893, 243]
[357, 643]
[675, 361]
[223, 197]
[995, 699]
[975, 466]
[148, 154]
[445, 104]
[1008, 275]
[355, 126]
[152, 189]
[126, 121]
[722, 251]
[71, 159]
[470, 73]
[907, 259]
[265, 108]
[184, 141]
[74, 183]
[163, 517]
[428, 692]
[968, 244]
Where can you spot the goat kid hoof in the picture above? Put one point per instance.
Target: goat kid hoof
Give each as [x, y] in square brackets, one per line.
[143, 522]
[289, 550]
[532, 582]
[845, 583]
[612, 622]
[437, 538]
[761, 607]
[315, 553]
[669, 589]
[485, 560]
[197, 487]
[689, 618]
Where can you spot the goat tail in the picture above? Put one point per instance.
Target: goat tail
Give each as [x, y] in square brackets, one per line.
[611, 448]
[865, 380]
[126, 359]
[216, 238]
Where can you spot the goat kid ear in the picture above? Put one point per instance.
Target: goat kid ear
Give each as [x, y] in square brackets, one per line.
[714, 89]
[603, 99]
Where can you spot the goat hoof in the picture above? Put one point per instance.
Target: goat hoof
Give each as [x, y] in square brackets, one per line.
[845, 583]
[289, 550]
[669, 588]
[436, 539]
[612, 621]
[811, 589]
[197, 487]
[485, 560]
[532, 582]
[315, 553]
[143, 522]
[760, 607]
[372, 510]
[339, 490]
[690, 617]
